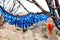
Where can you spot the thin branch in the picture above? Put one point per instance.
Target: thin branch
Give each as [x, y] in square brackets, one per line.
[47, 1]
[43, 11]
[36, 3]
[30, 1]
[22, 6]
[17, 9]
[12, 7]
[4, 4]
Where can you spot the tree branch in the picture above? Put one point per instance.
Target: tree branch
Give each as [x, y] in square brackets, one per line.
[12, 7]
[30, 1]
[22, 6]
[36, 3]
[17, 9]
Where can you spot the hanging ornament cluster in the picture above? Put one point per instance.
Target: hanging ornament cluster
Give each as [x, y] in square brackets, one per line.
[24, 21]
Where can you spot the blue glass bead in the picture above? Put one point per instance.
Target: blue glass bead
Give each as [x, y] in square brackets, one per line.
[14, 20]
[28, 25]
[5, 18]
[25, 20]
[50, 9]
[59, 26]
[31, 24]
[21, 20]
[18, 24]
[18, 21]
[31, 15]
[14, 17]
[22, 26]
[58, 23]
[0, 12]
[45, 17]
[9, 21]
[5, 15]
[25, 25]
[36, 19]
[41, 17]
[10, 16]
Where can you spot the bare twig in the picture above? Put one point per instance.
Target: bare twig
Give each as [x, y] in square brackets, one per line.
[17, 9]
[12, 7]
[30, 1]
[44, 11]
[4, 4]
[36, 3]
[22, 6]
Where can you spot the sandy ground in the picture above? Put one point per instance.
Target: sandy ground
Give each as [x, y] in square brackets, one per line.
[9, 32]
